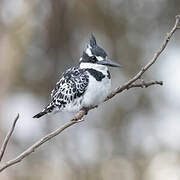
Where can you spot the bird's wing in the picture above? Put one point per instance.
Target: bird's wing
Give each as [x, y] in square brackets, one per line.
[72, 85]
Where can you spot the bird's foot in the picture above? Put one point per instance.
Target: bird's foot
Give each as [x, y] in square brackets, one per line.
[78, 120]
[85, 112]
[85, 109]
[96, 106]
[81, 120]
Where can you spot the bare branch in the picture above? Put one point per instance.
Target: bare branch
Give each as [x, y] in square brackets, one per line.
[6, 140]
[148, 65]
[79, 116]
[32, 148]
[145, 84]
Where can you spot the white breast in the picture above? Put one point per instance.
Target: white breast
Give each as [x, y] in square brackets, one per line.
[97, 91]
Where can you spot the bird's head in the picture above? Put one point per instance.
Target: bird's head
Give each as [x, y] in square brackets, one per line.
[94, 56]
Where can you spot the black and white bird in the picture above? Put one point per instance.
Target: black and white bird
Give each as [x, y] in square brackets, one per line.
[83, 86]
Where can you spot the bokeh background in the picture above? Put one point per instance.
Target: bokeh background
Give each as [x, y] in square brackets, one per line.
[134, 136]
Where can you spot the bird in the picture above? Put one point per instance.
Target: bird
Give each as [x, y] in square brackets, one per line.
[85, 85]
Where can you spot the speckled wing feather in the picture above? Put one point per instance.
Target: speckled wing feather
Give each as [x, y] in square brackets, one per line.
[69, 88]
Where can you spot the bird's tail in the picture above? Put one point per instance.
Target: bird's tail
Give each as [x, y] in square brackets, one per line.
[46, 110]
[40, 114]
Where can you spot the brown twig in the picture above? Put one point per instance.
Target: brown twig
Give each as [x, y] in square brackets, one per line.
[79, 116]
[32, 148]
[148, 65]
[6, 140]
[145, 84]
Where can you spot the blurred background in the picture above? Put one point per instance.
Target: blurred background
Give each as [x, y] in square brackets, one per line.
[135, 135]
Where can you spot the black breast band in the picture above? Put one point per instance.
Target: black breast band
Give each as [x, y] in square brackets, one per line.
[96, 74]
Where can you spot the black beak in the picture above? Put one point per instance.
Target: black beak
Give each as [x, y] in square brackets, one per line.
[109, 62]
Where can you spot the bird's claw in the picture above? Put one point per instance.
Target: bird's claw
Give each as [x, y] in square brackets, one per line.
[78, 120]
[85, 110]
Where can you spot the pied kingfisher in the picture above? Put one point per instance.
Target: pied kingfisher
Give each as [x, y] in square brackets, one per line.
[85, 85]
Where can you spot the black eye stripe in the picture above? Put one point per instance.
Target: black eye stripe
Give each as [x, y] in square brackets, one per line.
[93, 59]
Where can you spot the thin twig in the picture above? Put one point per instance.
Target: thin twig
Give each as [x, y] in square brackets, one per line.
[145, 84]
[79, 116]
[148, 65]
[6, 140]
[32, 148]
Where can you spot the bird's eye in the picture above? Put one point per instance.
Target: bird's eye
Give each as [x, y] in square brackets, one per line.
[93, 58]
